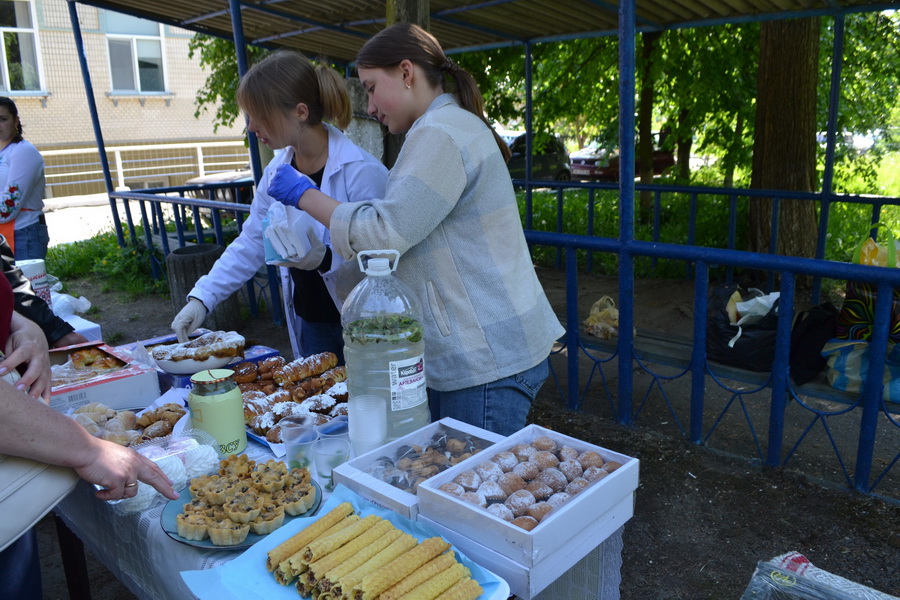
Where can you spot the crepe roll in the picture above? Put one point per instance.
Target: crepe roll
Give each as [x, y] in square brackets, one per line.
[440, 583]
[302, 368]
[326, 545]
[352, 547]
[464, 589]
[294, 544]
[334, 575]
[419, 576]
[388, 575]
[395, 549]
[294, 565]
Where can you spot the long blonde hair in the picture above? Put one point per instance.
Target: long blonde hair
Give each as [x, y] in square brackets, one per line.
[286, 78]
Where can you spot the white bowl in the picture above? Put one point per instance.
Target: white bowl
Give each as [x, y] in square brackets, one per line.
[189, 366]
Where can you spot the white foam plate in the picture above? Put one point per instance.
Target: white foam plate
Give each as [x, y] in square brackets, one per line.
[189, 366]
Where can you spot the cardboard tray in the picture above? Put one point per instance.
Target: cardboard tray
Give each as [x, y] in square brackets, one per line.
[133, 386]
[586, 510]
[353, 473]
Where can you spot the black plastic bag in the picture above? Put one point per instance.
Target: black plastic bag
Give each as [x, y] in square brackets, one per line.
[812, 329]
[754, 349]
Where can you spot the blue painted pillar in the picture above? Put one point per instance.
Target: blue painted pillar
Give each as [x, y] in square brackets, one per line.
[95, 117]
[237, 26]
[626, 206]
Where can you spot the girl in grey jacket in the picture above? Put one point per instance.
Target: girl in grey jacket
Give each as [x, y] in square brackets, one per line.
[450, 209]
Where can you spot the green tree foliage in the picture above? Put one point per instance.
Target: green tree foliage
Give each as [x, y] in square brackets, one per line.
[219, 57]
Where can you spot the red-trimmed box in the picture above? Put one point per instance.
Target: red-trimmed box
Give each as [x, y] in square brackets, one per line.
[134, 386]
[587, 510]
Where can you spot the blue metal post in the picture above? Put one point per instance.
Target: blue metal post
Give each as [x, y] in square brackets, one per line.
[698, 352]
[872, 387]
[834, 99]
[573, 345]
[779, 369]
[95, 117]
[626, 205]
[237, 26]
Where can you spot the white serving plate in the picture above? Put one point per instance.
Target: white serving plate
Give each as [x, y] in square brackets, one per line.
[189, 366]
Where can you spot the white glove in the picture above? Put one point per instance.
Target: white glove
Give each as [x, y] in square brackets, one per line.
[188, 319]
[293, 235]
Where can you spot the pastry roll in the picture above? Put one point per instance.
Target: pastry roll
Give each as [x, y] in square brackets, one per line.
[294, 544]
[418, 577]
[432, 588]
[292, 566]
[378, 581]
[396, 548]
[323, 547]
[464, 589]
[333, 576]
[302, 368]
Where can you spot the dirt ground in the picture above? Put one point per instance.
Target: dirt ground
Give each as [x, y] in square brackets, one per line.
[703, 518]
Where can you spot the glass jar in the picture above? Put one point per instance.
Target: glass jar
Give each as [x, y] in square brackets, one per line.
[218, 409]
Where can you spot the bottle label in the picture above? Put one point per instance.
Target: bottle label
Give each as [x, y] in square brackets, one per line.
[407, 382]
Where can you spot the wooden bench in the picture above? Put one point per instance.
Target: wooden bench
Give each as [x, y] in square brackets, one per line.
[675, 351]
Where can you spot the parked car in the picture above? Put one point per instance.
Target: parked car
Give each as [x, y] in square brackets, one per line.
[550, 158]
[594, 163]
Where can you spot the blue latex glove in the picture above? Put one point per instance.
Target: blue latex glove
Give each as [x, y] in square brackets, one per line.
[289, 184]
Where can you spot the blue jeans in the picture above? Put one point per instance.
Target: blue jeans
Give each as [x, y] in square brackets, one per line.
[32, 242]
[321, 337]
[20, 569]
[500, 406]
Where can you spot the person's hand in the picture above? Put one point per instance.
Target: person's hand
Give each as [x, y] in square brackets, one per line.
[289, 184]
[115, 467]
[70, 339]
[27, 346]
[188, 319]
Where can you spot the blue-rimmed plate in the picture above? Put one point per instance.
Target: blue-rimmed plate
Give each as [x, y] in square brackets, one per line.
[173, 508]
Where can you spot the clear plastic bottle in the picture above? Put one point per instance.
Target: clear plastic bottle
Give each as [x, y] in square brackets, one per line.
[384, 345]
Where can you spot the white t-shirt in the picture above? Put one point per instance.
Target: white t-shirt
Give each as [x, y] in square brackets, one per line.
[21, 184]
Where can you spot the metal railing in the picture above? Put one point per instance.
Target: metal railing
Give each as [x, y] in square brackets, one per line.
[80, 171]
[873, 467]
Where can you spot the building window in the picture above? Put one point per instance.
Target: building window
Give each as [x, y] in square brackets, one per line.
[135, 54]
[19, 50]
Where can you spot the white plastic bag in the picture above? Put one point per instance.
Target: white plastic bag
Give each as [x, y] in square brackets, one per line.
[289, 234]
[65, 305]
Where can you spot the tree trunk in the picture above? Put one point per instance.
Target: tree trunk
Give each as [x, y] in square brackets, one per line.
[784, 148]
[736, 139]
[645, 123]
[683, 152]
[185, 266]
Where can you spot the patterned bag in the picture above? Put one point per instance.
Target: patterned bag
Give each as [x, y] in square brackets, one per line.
[857, 314]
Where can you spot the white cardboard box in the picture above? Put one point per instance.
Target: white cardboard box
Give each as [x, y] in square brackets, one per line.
[352, 474]
[88, 329]
[134, 386]
[528, 581]
[556, 531]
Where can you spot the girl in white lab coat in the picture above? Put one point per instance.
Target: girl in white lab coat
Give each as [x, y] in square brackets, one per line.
[287, 100]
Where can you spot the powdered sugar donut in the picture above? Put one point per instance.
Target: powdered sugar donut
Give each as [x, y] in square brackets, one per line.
[469, 479]
[544, 443]
[558, 499]
[571, 469]
[577, 485]
[506, 460]
[523, 451]
[589, 458]
[527, 470]
[554, 478]
[510, 482]
[501, 511]
[594, 473]
[489, 471]
[518, 502]
[544, 459]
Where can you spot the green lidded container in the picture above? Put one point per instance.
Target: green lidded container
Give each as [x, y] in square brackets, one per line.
[218, 409]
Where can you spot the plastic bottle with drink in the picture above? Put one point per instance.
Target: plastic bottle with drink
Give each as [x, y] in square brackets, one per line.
[384, 345]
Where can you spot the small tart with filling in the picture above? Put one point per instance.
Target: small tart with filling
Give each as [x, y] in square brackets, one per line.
[299, 499]
[198, 485]
[270, 476]
[269, 519]
[237, 465]
[218, 490]
[297, 476]
[198, 506]
[228, 533]
[243, 508]
[194, 526]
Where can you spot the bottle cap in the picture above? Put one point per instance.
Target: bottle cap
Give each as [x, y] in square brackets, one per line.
[379, 267]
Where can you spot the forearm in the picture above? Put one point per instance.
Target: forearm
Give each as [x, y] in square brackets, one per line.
[319, 206]
[32, 429]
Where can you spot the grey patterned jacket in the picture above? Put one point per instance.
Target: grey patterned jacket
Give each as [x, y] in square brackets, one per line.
[450, 210]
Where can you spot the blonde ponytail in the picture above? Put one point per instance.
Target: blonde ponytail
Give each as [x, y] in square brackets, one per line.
[336, 107]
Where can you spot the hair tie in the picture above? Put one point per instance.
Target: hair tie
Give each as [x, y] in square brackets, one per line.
[449, 66]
